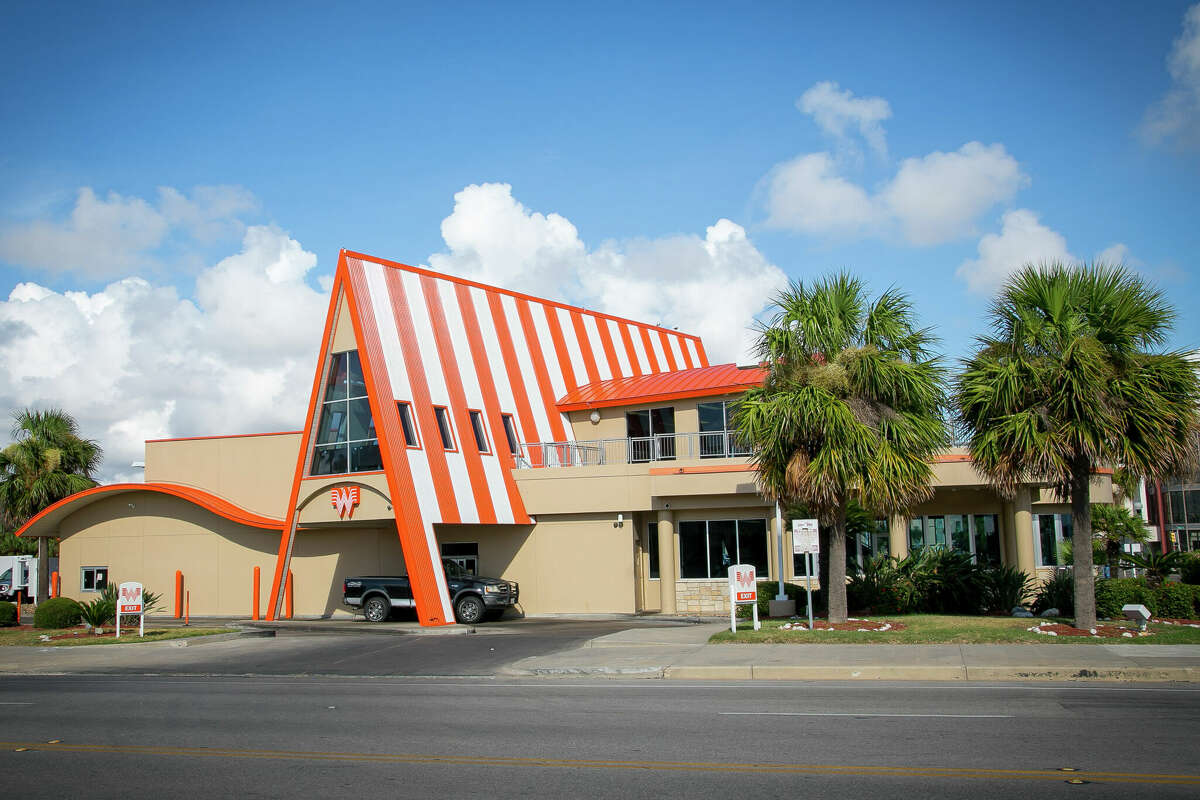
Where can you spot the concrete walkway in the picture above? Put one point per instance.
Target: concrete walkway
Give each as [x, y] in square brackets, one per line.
[683, 653]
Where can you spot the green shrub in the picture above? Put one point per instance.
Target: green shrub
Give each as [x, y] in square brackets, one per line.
[767, 591]
[1057, 592]
[1176, 600]
[1189, 570]
[880, 587]
[1006, 587]
[57, 612]
[1113, 593]
[98, 612]
[8, 614]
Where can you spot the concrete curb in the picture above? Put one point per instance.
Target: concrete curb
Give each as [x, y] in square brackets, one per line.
[367, 627]
[945, 674]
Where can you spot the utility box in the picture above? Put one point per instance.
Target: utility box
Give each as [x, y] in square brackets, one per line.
[782, 608]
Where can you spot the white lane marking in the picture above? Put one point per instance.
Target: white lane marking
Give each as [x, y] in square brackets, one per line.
[852, 714]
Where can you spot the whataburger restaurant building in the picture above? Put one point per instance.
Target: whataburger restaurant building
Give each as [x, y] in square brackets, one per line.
[584, 456]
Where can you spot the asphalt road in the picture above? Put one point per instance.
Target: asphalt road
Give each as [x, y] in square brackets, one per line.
[112, 736]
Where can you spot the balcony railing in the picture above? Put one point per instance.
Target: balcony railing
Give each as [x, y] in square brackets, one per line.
[634, 450]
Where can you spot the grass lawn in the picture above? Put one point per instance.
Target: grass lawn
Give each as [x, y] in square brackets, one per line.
[941, 629]
[10, 637]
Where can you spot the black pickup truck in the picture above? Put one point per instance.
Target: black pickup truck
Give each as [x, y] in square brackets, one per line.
[474, 598]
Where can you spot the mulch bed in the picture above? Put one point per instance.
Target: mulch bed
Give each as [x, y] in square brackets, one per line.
[1191, 623]
[864, 625]
[1101, 631]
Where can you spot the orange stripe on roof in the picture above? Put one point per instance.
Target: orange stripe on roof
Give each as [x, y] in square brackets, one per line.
[700, 382]
[422, 404]
[565, 367]
[670, 356]
[650, 356]
[458, 401]
[585, 347]
[635, 365]
[512, 367]
[540, 369]
[491, 403]
[433, 606]
[687, 353]
[610, 352]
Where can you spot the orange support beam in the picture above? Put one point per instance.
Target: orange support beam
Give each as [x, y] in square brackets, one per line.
[254, 613]
[287, 595]
[178, 594]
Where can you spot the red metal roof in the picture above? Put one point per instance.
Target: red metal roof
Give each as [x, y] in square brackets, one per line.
[701, 382]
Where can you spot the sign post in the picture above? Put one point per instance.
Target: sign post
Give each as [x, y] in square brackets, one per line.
[130, 603]
[806, 542]
[743, 588]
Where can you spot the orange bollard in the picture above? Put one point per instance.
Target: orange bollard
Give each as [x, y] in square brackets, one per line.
[178, 594]
[54, 588]
[187, 608]
[287, 594]
[257, 573]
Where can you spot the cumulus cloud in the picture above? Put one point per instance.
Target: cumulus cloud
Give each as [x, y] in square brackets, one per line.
[930, 200]
[1117, 253]
[712, 286]
[839, 113]
[1176, 116]
[1022, 240]
[134, 360]
[107, 237]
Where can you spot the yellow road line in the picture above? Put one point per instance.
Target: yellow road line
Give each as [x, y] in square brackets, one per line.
[668, 766]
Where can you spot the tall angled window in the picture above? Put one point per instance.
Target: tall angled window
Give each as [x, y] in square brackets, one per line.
[346, 440]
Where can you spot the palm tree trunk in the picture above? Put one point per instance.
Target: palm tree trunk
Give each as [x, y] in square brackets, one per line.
[821, 606]
[837, 568]
[1081, 542]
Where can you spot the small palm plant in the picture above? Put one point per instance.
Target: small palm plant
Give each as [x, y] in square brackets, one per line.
[98, 612]
[1157, 565]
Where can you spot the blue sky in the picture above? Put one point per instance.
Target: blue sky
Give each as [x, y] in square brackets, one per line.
[583, 153]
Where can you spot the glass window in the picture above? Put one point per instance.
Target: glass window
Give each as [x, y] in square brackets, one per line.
[93, 579]
[345, 437]
[443, 422]
[883, 533]
[464, 555]
[916, 534]
[693, 550]
[510, 433]
[651, 434]
[1192, 502]
[722, 547]
[752, 544]
[987, 542]
[406, 424]
[960, 536]
[935, 531]
[481, 439]
[652, 548]
[1177, 508]
[1048, 539]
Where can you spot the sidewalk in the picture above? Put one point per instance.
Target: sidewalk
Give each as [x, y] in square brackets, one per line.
[682, 653]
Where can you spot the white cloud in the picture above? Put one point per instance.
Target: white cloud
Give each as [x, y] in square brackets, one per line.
[712, 286]
[836, 110]
[930, 200]
[1022, 240]
[1176, 116]
[1116, 253]
[106, 237]
[938, 198]
[135, 361]
[807, 195]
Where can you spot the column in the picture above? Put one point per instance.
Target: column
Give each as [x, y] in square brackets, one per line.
[666, 560]
[898, 536]
[1008, 534]
[1023, 530]
[775, 568]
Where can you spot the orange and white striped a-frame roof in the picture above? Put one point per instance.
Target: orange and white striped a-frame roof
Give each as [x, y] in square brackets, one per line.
[435, 341]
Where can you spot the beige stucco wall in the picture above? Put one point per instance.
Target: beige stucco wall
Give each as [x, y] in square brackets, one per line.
[566, 564]
[162, 534]
[254, 472]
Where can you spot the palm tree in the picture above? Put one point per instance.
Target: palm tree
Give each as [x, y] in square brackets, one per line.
[851, 410]
[1112, 525]
[1069, 380]
[46, 462]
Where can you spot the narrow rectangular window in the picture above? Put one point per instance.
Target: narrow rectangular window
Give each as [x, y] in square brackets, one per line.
[652, 548]
[510, 431]
[443, 422]
[406, 423]
[481, 440]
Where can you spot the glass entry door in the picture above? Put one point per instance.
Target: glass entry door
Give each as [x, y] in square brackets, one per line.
[651, 434]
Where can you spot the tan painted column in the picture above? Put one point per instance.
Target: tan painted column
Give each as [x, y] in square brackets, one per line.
[666, 561]
[1023, 530]
[898, 536]
[773, 553]
[1008, 534]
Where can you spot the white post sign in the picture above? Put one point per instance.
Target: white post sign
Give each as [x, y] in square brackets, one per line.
[807, 543]
[743, 588]
[130, 603]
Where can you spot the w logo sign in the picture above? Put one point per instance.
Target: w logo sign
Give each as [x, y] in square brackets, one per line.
[742, 583]
[344, 499]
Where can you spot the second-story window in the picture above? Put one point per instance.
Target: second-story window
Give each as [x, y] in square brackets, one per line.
[481, 439]
[345, 436]
[717, 437]
[510, 432]
[651, 433]
[443, 422]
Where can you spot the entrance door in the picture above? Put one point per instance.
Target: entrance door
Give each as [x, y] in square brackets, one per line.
[651, 434]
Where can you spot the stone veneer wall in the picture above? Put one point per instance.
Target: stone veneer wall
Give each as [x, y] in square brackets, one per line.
[702, 598]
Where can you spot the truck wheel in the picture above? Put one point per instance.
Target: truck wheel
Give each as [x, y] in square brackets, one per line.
[469, 609]
[376, 609]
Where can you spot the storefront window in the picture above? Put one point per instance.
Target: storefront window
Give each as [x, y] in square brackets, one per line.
[916, 534]
[1177, 509]
[1050, 531]
[708, 548]
[652, 548]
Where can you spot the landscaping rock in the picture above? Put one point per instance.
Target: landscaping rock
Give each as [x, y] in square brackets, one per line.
[1050, 612]
[1020, 612]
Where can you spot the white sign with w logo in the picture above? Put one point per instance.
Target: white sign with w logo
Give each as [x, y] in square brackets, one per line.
[344, 499]
[743, 588]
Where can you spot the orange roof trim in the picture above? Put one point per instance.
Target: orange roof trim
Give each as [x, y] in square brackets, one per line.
[51, 515]
[700, 382]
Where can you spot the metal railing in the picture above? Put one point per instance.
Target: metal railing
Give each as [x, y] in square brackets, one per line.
[633, 450]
